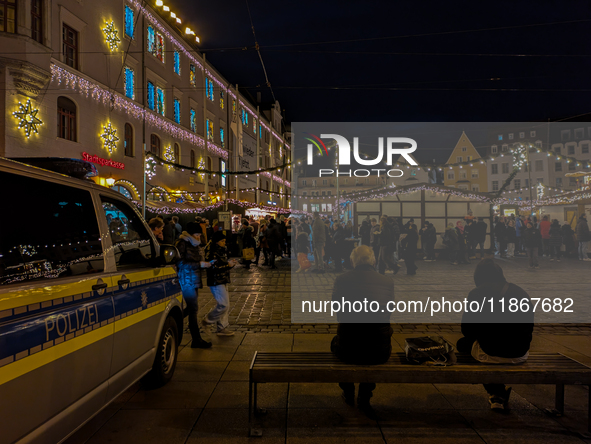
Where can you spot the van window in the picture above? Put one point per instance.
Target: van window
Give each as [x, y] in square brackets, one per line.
[49, 232]
[129, 236]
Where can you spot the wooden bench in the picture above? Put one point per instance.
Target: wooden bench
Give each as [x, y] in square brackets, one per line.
[540, 368]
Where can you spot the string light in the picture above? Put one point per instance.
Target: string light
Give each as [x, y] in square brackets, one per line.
[150, 166]
[169, 156]
[111, 36]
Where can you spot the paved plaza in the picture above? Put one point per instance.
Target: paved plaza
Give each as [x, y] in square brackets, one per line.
[208, 397]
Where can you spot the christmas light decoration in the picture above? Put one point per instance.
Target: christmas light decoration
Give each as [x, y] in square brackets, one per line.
[109, 137]
[519, 155]
[201, 166]
[169, 156]
[27, 117]
[150, 166]
[111, 36]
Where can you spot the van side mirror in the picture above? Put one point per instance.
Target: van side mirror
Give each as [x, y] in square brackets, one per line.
[168, 254]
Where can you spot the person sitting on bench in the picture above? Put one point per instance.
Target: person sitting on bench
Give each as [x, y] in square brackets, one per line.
[362, 337]
[497, 336]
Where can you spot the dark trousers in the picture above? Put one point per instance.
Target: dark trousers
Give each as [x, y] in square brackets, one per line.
[365, 388]
[480, 245]
[191, 311]
[376, 252]
[532, 253]
[430, 251]
[555, 251]
[464, 345]
[386, 259]
[257, 255]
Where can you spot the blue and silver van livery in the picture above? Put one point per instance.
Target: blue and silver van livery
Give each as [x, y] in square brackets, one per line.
[89, 303]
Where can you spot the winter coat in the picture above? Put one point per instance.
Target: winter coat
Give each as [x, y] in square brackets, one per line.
[318, 231]
[247, 236]
[532, 237]
[364, 232]
[470, 232]
[373, 239]
[428, 235]
[545, 229]
[568, 235]
[511, 235]
[219, 272]
[519, 227]
[188, 268]
[461, 239]
[450, 239]
[274, 237]
[582, 231]
[511, 334]
[501, 232]
[555, 236]
[480, 231]
[365, 337]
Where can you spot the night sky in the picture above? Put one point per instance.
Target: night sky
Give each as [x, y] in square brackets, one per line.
[404, 61]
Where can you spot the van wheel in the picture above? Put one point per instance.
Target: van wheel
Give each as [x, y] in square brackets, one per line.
[166, 356]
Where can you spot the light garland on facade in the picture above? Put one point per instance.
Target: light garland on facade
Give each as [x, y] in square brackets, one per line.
[128, 185]
[201, 166]
[150, 166]
[109, 137]
[111, 36]
[27, 117]
[519, 156]
[169, 156]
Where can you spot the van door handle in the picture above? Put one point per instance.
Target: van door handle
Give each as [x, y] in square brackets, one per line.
[99, 286]
[123, 282]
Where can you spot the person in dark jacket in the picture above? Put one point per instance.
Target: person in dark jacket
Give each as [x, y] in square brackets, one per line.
[583, 237]
[337, 241]
[386, 242]
[246, 233]
[555, 240]
[364, 232]
[428, 241]
[191, 260]
[511, 235]
[496, 336]
[501, 235]
[218, 275]
[450, 241]
[531, 240]
[364, 337]
[480, 236]
[273, 236]
[470, 236]
[410, 249]
[168, 231]
[462, 250]
[568, 239]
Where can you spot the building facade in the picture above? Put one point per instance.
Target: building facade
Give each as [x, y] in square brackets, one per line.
[470, 176]
[122, 84]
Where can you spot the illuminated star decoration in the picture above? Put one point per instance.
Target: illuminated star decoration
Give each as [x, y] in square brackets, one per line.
[540, 191]
[150, 167]
[201, 166]
[27, 117]
[110, 138]
[519, 155]
[169, 156]
[112, 36]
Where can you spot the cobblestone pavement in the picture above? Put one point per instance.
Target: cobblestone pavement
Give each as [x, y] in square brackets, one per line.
[261, 298]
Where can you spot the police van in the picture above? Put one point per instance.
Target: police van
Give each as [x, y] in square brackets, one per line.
[89, 302]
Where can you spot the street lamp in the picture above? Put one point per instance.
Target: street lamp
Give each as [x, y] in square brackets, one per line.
[110, 180]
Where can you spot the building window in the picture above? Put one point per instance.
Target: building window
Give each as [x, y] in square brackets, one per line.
[517, 184]
[500, 137]
[192, 76]
[177, 153]
[66, 111]
[209, 130]
[155, 44]
[244, 116]
[585, 148]
[579, 133]
[129, 22]
[128, 140]
[155, 144]
[222, 140]
[160, 101]
[70, 46]
[151, 96]
[565, 135]
[209, 88]
[458, 159]
[193, 117]
[572, 181]
[475, 173]
[559, 181]
[177, 110]
[128, 79]
[505, 168]
[532, 134]
[464, 149]
[495, 185]
[510, 136]
[451, 175]
[558, 166]
[8, 16]
[221, 98]
[504, 148]
[526, 183]
[494, 149]
[260, 131]
[494, 168]
[177, 62]
[571, 166]
[192, 159]
[36, 20]
[521, 135]
[463, 174]
[475, 187]
[570, 150]
[538, 143]
[539, 165]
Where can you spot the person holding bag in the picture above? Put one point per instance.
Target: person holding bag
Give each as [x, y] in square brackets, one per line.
[189, 247]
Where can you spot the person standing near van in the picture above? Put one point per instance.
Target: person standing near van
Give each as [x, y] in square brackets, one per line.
[189, 246]
[583, 236]
[218, 275]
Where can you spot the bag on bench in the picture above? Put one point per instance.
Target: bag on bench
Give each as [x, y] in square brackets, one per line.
[429, 350]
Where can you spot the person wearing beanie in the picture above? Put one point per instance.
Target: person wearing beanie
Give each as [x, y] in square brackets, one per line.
[218, 275]
[192, 259]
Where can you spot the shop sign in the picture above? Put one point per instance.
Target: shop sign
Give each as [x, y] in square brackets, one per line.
[102, 162]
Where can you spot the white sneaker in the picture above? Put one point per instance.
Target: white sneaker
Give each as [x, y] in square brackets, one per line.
[225, 332]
